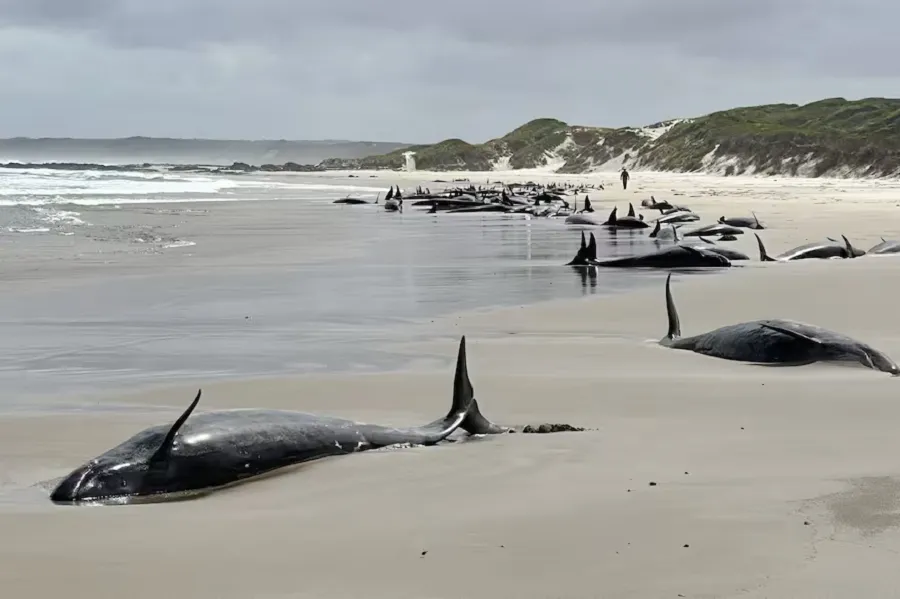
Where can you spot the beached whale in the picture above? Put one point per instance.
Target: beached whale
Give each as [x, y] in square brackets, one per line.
[746, 222]
[887, 246]
[625, 222]
[661, 206]
[678, 216]
[208, 451]
[819, 249]
[716, 229]
[678, 256]
[774, 341]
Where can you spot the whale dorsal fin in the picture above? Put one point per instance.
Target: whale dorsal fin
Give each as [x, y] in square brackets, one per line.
[612, 217]
[756, 218]
[655, 231]
[463, 393]
[592, 248]
[849, 246]
[763, 255]
[166, 446]
[675, 232]
[674, 331]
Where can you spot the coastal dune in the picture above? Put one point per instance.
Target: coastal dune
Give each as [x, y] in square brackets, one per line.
[696, 477]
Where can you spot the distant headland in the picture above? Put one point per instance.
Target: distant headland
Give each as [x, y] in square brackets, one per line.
[834, 137]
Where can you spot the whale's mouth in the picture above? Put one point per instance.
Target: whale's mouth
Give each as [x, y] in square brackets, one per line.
[135, 499]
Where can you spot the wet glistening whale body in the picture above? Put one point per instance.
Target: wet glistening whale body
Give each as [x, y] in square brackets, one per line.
[201, 453]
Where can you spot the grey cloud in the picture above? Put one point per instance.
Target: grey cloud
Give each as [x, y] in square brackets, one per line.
[418, 70]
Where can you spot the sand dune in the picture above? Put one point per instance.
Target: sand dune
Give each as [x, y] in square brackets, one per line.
[769, 482]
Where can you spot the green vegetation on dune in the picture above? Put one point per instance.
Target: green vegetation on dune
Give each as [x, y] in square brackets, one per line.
[861, 136]
[832, 136]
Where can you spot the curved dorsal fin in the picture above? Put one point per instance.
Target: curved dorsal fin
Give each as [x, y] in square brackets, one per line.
[674, 322]
[166, 446]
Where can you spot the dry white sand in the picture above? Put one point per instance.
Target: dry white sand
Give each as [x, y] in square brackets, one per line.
[770, 482]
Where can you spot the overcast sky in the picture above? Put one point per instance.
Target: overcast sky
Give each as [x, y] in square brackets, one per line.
[423, 70]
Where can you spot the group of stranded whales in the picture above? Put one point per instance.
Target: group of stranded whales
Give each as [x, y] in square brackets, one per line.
[202, 453]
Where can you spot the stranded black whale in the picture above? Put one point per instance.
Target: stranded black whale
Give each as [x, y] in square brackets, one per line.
[774, 341]
[677, 256]
[208, 451]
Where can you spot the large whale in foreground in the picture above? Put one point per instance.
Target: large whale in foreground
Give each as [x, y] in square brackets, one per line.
[774, 341]
[208, 451]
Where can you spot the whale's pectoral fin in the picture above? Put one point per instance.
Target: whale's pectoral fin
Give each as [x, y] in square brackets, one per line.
[793, 333]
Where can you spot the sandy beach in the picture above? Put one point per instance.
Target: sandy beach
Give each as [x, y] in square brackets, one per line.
[697, 477]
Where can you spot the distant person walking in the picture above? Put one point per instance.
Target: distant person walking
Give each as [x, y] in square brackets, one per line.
[625, 177]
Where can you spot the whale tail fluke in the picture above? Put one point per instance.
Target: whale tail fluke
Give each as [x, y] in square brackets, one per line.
[763, 255]
[674, 331]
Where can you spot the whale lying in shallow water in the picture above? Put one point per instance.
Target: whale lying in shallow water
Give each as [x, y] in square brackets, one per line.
[208, 451]
[774, 341]
[676, 256]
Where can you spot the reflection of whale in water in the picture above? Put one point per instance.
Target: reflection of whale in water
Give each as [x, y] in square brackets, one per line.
[774, 341]
[208, 451]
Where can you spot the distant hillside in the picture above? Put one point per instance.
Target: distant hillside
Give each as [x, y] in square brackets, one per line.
[184, 151]
[833, 137]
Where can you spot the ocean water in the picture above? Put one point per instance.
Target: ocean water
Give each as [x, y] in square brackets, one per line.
[328, 314]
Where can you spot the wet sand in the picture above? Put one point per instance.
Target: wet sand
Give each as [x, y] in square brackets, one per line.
[770, 482]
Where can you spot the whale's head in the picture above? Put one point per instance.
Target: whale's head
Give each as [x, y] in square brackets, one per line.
[876, 360]
[143, 468]
[105, 480]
